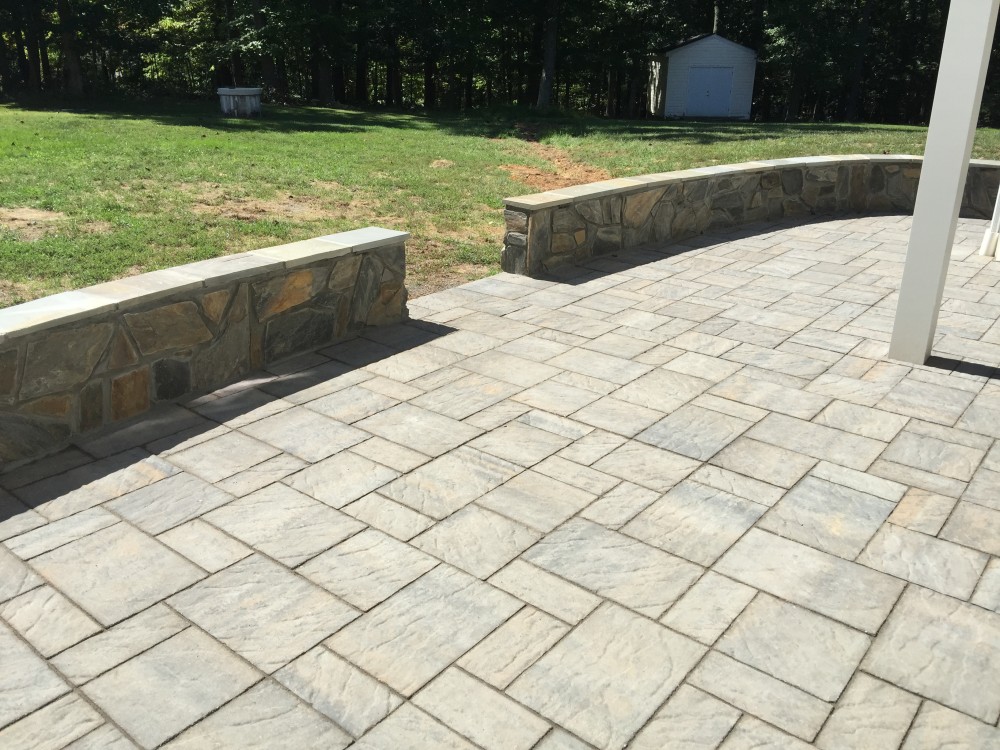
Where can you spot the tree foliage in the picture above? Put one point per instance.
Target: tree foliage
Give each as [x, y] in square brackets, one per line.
[817, 59]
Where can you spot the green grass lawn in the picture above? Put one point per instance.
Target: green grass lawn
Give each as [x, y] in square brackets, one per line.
[133, 189]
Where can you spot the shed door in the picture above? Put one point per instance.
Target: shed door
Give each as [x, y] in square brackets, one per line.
[709, 92]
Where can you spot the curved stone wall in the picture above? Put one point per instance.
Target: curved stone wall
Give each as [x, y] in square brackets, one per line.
[546, 230]
[73, 362]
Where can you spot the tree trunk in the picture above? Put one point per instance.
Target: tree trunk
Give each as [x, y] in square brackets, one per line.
[551, 41]
[430, 83]
[31, 32]
[862, 33]
[715, 17]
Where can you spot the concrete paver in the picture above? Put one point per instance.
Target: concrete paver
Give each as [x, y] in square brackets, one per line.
[673, 498]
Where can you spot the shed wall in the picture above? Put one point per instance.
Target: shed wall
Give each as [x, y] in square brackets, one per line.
[713, 52]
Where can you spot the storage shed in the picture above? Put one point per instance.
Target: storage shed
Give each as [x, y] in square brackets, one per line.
[708, 76]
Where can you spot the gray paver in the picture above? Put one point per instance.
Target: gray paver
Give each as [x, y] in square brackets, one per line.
[409, 728]
[690, 719]
[410, 637]
[337, 689]
[223, 456]
[608, 676]
[389, 516]
[795, 645]
[204, 545]
[925, 560]
[305, 434]
[26, 681]
[184, 678]
[169, 503]
[446, 484]
[828, 516]
[759, 694]
[924, 648]
[615, 566]
[695, 432]
[513, 647]
[490, 719]
[550, 593]
[646, 465]
[285, 524]
[89, 571]
[938, 727]
[477, 540]
[410, 425]
[871, 715]
[341, 479]
[116, 645]
[850, 593]
[696, 522]
[54, 727]
[536, 500]
[709, 607]
[368, 568]
[262, 611]
[48, 620]
[60, 532]
[264, 717]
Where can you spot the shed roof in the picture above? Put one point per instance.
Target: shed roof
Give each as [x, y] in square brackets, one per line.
[700, 37]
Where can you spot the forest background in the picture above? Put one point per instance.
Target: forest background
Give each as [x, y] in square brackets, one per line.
[818, 60]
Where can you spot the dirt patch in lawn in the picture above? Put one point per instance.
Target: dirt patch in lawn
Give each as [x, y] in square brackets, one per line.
[30, 223]
[565, 170]
[338, 203]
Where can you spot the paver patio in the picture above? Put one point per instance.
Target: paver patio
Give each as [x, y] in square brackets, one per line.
[674, 499]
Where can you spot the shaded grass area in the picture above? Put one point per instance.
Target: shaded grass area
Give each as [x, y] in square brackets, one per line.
[134, 188]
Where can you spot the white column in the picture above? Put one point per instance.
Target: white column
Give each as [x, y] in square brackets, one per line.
[957, 98]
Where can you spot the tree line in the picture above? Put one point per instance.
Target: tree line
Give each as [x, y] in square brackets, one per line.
[853, 60]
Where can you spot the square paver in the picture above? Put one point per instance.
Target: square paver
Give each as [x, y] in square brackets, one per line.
[341, 479]
[695, 432]
[767, 463]
[489, 718]
[691, 718]
[444, 485]
[337, 689]
[646, 465]
[263, 717]
[709, 607]
[26, 681]
[116, 572]
[608, 676]
[410, 425]
[262, 611]
[537, 500]
[48, 620]
[940, 648]
[614, 566]
[169, 503]
[696, 522]
[795, 645]
[870, 714]
[466, 396]
[828, 516]
[204, 545]
[513, 647]
[847, 592]
[223, 456]
[210, 676]
[351, 404]
[520, 443]
[410, 637]
[477, 540]
[368, 568]
[305, 434]
[284, 524]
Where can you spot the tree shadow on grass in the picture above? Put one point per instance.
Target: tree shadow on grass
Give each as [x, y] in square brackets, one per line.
[497, 122]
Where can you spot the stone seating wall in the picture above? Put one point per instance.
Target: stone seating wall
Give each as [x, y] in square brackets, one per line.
[546, 230]
[74, 362]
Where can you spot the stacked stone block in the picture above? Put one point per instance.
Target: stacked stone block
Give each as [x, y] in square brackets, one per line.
[550, 229]
[74, 362]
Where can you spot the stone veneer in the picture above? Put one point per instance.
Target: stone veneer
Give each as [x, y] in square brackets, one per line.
[76, 361]
[563, 226]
